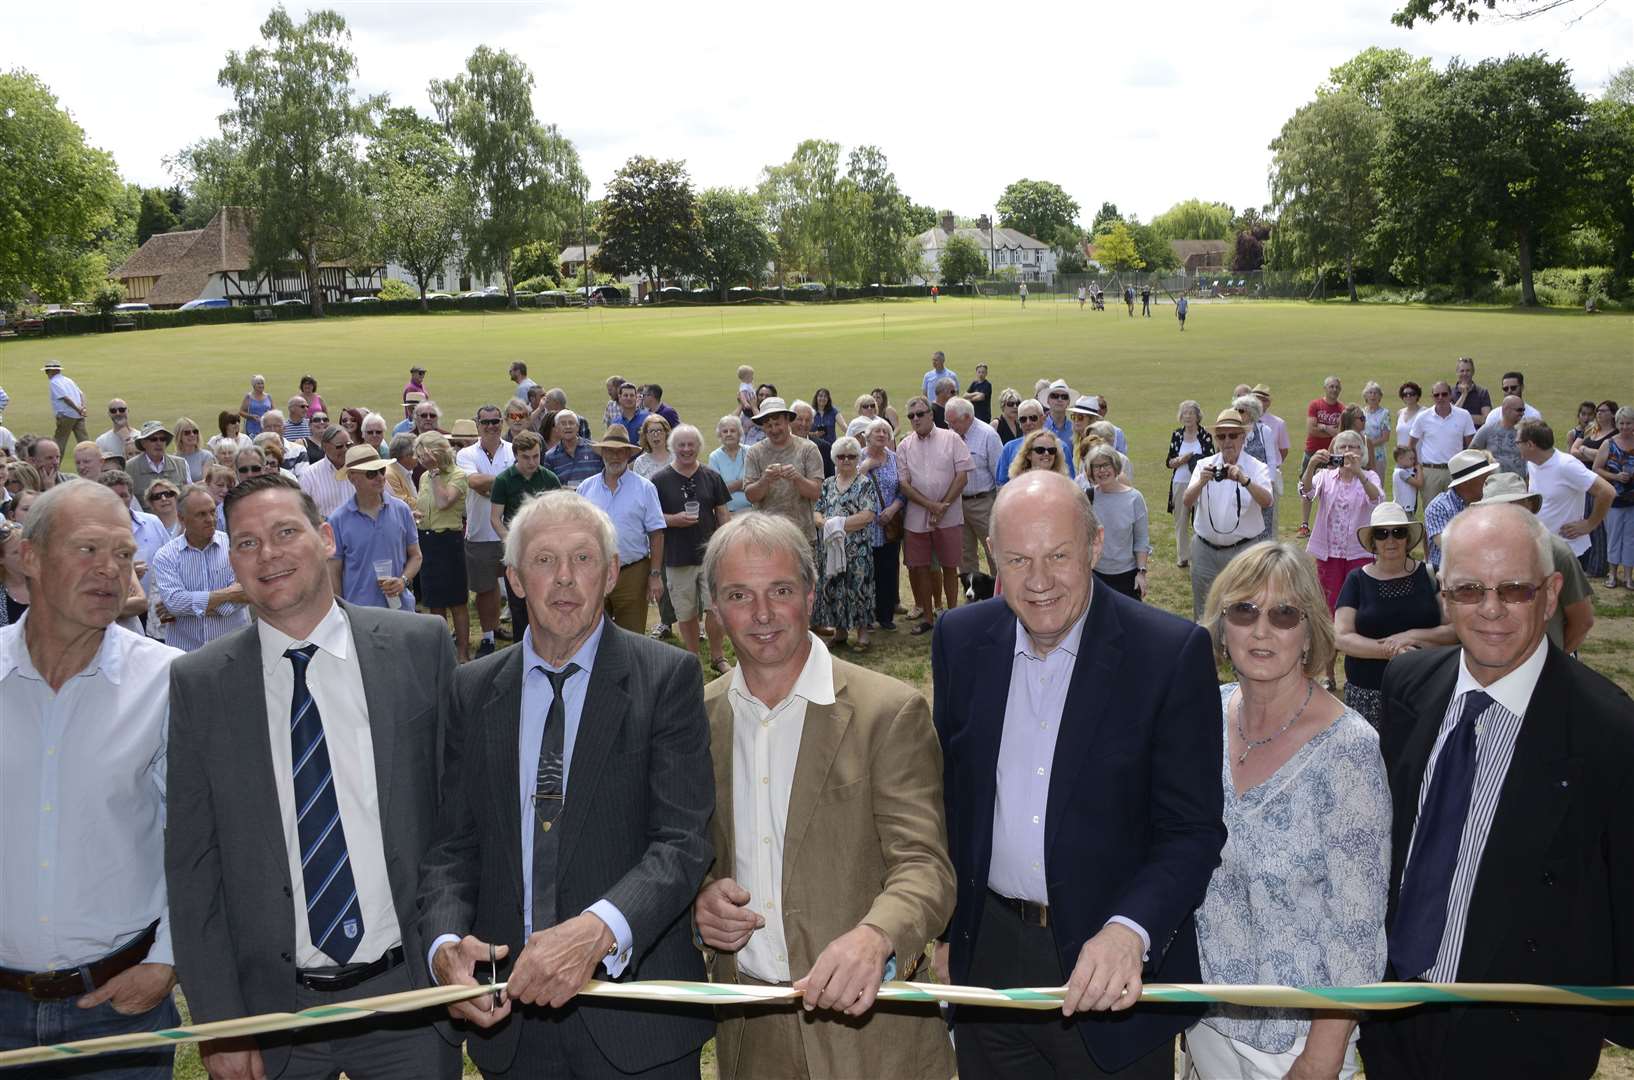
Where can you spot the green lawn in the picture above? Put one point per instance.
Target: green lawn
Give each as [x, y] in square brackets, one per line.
[1144, 367]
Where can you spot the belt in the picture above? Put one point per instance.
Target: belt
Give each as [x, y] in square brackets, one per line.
[634, 562]
[1031, 914]
[1433, 465]
[71, 982]
[975, 494]
[348, 975]
[1222, 547]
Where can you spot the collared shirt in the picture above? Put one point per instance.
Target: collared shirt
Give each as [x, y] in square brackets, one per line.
[476, 461]
[1562, 481]
[143, 472]
[1063, 431]
[362, 541]
[335, 680]
[65, 394]
[151, 535]
[765, 751]
[185, 576]
[118, 443]
[932, 377]
[634, 508]
[1440, 437]
[985, 447]
[82, 795]
[631, 424]
[1496, 730]
[1343, 506]
[1442, 509]
[322, 481]
[1225, 512]
[929, 463]
[573, 469]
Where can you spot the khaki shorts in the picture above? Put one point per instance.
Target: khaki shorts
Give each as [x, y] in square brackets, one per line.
[484, 562]
[688, 591]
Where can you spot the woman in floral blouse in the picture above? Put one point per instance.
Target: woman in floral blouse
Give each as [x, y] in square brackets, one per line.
[1346, 491]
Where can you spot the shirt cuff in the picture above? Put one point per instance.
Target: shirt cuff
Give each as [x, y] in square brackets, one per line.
[607, 913]
[1145, 938]
[161, 951]
[890, 969]
[442, 939]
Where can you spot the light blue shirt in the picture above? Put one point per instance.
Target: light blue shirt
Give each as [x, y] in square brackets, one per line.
[932, 377]
[634, 508]
[1001, 473]
[731, 470]
[361, 541]
[185, 577]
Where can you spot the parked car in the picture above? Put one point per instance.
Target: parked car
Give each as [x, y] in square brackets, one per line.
[439, 296]
[476, 294]
[364, 300]
[604, 294]
[811, 287]
[738, 290]
[206, 302]
[133, 307]
[290, 303]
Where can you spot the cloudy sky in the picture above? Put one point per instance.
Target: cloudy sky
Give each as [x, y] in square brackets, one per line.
[1142, 104]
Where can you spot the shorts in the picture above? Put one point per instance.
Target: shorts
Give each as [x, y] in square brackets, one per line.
[946, 543]
[484, 562]
[688, 591]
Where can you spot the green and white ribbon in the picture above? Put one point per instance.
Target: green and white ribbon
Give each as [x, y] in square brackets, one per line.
[1377, 996]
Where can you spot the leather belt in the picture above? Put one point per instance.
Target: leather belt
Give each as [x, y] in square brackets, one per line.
[1221, 547]
[347, 976]
[1031, 914]
[975, 495]
[71, 982]
[1433, 465]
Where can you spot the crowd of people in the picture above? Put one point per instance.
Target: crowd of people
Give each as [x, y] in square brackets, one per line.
[237, 755]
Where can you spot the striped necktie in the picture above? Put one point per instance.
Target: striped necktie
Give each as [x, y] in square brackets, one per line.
[333, 914]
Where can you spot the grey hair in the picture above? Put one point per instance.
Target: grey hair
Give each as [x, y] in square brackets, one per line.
[556, 397]
[562, 506]
[266, 439]
[1103, 454]
[683, 429]
[1373, 385]
[959, 407]
[921, 398]
[369, 418]
[271, 414]
[1180, 413]
[290, 404]
[1512, 516]
[568, 413]
[191, 490]
[1349, 438]
[517, 403]
[729, 420]
[797, 406]
[42, 516]
[256, 450]
[879, 422]
[845, 443]
[428, 404]
[944, 383]
[400, 444]
[1250, 404]
[1624, 413]
[771, 533]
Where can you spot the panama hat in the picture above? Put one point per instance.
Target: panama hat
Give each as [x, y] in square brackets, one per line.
[1261, 389]
[413, 397]
[772, 406]
[464, 428]
[1228, 420]
[1086, 405]
[1467, 465]
[155, 427]
[363, 458]
[51, 365]
[617, 438]
[1385, 515]
[1504, 487]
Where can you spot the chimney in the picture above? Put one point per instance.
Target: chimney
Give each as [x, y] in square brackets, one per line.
[947, 221]
[984, 223]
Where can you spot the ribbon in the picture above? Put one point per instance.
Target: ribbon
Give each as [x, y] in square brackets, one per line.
[1374, 997]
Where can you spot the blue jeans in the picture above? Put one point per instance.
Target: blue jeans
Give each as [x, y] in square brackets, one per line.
[25, 1022]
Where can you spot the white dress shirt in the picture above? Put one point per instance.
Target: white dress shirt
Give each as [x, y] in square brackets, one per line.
[1440, 437]
[65, 394]
[335, 680]
[479, 524]
[322, 481]
[765, 749]
[82, 798]
[1226, 513]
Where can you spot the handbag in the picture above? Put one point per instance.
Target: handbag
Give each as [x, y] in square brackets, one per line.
[893, 529]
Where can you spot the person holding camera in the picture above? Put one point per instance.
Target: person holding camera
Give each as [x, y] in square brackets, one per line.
[1229, 491]
[1345, 490]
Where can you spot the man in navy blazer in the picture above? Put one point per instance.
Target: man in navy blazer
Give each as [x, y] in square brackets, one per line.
[1081, 751]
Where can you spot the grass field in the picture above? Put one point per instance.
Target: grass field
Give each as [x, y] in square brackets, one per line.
[1144, 368]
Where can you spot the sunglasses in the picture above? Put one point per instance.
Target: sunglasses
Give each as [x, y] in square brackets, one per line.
[163, 494]
[118, 410]
[1030, 418]
[249, 470]
[1058, 397]
[1510, 592]
[1047, 450]
[846, 457]
[319, 418]
[1409, 393]
[1394, 532]
[490, 422]
[1440, 394]
[1246, 613]
[917, 415]
[1511, 389]
[515, 417]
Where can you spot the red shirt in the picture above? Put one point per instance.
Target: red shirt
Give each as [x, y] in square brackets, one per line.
[1323, 413]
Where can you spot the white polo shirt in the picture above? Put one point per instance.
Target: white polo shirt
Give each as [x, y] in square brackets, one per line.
[1562, 481]
[1440, 437]
[479, 525]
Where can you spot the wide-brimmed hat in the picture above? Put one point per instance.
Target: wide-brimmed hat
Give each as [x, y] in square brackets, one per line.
[772, 406]
[1261, 388]
[363, 458]
[51, 365]
[155, 427]
[1467, 465]
[1503, 487]
[1086, 405]
[1385, 515]
[464, 428]
[417, 370]
[616, 438]
[1228, 420]
[413, 397]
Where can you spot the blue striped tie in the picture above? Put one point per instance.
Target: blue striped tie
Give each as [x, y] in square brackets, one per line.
[332, 911]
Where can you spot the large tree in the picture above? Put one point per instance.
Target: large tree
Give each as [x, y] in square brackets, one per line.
[648, 220]
[881, 218]
[154, 215]
[210, 173]
[1195, 219]
[1038, 208]
[961, 261]
[823, 195]
[732, 246]
[522, 176]
[1607, 175]
[1321, 178]
[418, 203]
[1155, 251]
[1104, 217]
[1468, 11]
[300, 128]
[1115, 248]
[57, 195]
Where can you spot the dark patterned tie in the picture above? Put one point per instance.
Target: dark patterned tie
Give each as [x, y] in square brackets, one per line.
[1421, 909]
[548, 793]
[333, 915]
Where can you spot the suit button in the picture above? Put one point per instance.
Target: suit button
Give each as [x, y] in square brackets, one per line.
[1531, 944]
[1514, 1017]
[288, 959]
[1548, 878]
[287, 891]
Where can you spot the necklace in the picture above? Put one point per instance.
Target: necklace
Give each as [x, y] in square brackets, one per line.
[1250, 745]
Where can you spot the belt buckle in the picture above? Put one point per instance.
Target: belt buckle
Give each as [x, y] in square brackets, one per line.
[38, 977]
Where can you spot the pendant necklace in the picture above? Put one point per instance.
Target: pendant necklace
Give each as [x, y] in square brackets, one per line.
[1254, 744]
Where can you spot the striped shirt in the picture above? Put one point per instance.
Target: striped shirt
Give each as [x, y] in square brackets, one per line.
[185, 577]
[1496, 730]
[322, 481]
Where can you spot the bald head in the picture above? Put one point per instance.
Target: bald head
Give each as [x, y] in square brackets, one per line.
[1038, 494]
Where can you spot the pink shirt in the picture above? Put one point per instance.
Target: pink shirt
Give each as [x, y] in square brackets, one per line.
[930, 463]
[1342, 508]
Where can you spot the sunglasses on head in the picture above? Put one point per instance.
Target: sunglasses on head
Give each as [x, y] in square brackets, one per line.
[1246, 613]
[1510, 592]
[1393, 532]
[917, 415]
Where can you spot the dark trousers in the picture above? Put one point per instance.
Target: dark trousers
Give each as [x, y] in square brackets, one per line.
[380, 1047]
[887, 582]
[1001, 1044]
[555, 1045]
[25, 1022]
[1124, 582]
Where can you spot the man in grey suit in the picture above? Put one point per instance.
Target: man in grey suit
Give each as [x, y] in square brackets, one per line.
[304, 779]
[576, 828]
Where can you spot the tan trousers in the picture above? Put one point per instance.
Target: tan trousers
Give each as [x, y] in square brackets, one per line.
[1436, 480]
[627, 603]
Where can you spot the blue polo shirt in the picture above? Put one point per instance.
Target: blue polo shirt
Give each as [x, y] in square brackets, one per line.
[573, 469]
[361, 541]
[633, 424]
[634, 509]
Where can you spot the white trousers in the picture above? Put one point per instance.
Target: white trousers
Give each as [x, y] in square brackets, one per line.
[1212, 1056]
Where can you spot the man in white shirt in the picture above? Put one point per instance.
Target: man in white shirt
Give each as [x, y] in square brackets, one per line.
[1514, 385]
[484, 552]
[985, 446]
[85, 929]
[1229, 490]
[1563, 481]
[322, 479]
[784, 725]
[1436, 435]
[119, 440]
[67, 405]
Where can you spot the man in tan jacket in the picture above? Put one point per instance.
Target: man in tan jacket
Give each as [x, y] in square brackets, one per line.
[831, 866]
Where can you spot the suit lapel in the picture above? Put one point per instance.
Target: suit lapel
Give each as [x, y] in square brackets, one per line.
[241, 681]
[606, 703]
[820, 741]
[1096, 692]
[989, 696]
[501, 723]
[721, 746]
[382, 693]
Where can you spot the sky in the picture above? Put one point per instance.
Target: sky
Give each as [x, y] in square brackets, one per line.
[1139, 105]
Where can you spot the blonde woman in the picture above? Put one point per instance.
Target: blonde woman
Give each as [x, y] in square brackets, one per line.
[13, 585]
[654, 443]
[1040, 450]
[190, 449]
[441, 505]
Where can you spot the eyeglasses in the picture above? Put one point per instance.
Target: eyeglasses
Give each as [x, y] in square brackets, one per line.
[1510, 592]
[118, 410]
[1048, 451]
[1440, 393]
[1395, 532]
[249, 470]
[1059, 397]
[1246, 613]
[490, 421]
[164, 494]
[917, 415]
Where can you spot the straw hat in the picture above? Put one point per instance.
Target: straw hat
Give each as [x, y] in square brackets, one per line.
[155, 427]
[772, 406]
[464, 428]
[1385, 515]
[1228, 420]
[363, 458]
[1261, 390]
[1503, 487]
[413, 397]
[617, 438]
[1086, 405]
[51, 365]
[1467, 465]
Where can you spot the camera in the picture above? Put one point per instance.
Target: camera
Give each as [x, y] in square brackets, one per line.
[1220, 471]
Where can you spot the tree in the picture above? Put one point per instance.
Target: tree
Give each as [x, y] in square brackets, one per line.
[880, 217]
[1620, 87]
[920, 218]
[961, 261]
[1104, 217]
[1068, 242]
[784, 217]
[647, 220]
[1195, 219]
[732, 244]
[210, 174]
[1155, 251]
[299, 126]
[821, 194]
[523, 177]
[1249, 252]
[56, 195]
[1608, 166]
[1373, 71]
[1115, 248]
[154, 216]
[1038, 208]
[418, 204]
[1321, 177]
[1468, 11]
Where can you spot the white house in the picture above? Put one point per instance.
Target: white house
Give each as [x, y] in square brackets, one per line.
[453, 277]
[1028, 258]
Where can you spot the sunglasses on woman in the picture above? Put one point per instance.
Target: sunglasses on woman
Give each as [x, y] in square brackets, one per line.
[1395, 532]
[1048, 451]
[1246, 613]
[1510, 592]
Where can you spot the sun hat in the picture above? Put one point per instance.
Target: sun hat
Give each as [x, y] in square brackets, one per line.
[1261, 388]
[617, 438]
[1467, 465]
[772, 406]
[1385, 515]
[1228, 420]
[155, 427]
[1086, 405]
[1504, 487]
[413, 397]
[464, 428]
[363, 458]
[51, 365]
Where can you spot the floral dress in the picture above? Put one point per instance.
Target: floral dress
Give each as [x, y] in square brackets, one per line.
[846, 600]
